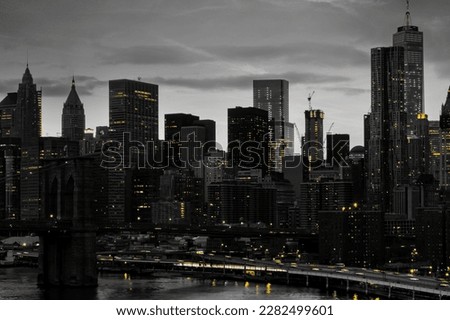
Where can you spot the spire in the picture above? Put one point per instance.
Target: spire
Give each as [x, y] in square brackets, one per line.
[27, 77]
[73, 99]
[408, 15]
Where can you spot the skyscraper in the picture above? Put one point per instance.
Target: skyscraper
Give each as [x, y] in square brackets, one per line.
[273, 96]
[445, 147]
[133, 110]
[9, 121]
[313, 144]
[246, 125]
[387, 146]
[73, 119]
[434, 134]
[411, 40]
[445, 113]
[29, 111]
[9, 178]
[338, 149]
[173, 124]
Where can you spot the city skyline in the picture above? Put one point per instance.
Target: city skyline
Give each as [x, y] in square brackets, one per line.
[234, 60]
[160, 191]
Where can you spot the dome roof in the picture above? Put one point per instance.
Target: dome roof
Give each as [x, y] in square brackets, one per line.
[357, 149]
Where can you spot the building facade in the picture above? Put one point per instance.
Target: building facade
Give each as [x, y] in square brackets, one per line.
[73, 121]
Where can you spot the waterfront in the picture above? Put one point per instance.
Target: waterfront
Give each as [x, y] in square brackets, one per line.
[20, 283]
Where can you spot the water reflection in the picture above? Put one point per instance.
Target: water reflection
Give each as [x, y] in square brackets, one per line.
[20, 283]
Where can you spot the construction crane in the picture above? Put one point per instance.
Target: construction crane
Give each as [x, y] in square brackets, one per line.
[331, 127]
[329, 131]
[309, 100]
[298, 135]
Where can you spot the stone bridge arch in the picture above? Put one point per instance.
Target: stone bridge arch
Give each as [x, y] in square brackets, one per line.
[67, 251]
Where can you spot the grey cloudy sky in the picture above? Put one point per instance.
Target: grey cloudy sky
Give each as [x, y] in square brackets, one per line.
[204, 54]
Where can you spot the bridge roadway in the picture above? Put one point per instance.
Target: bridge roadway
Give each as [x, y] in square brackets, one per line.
[367, 277]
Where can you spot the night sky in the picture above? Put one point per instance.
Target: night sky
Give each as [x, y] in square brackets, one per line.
[205, 54]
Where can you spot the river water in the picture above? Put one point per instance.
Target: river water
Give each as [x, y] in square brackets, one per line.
[20, 283]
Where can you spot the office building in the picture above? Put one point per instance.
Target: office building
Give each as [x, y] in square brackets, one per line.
[410, 38]
[312, 146]
[29, 122]
[133, 111]
[273, 96]
[248, 127]
[387, 139]
[338, 149]
[73, 119]
[322, 196]
[444, 124]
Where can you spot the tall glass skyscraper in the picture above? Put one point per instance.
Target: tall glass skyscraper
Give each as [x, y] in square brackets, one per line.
[387, 143]
[273, 96]
[133, 110]
[411, 40]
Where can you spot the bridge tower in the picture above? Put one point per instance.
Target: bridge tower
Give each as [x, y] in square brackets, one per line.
[67, 254]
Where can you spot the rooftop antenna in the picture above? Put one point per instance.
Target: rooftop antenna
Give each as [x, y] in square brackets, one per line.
[408, 14]
[309, 99]
[139, 78]
[27, 57]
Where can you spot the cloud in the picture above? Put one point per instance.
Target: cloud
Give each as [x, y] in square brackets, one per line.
[321, 54]
[86, 85]
[328, 54]
[155, 55]
[348, 90]
[9, 85]
[246, 81]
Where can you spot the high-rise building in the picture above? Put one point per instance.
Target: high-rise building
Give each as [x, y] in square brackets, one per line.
[9, 178]
[29, 116]
[433, 236]
[358, 177]
[313, 139]
[173, 124]
[434, 134]
[444, 124]
[338, 149]
[73, 119]
[193, 139]
[133, 110]
[240, 201]
[411, 40]
[445, 113]
[273, 96]
[9, 118]
[246, 128]
[352, 236]
[185, 193]
[387, 144]
[102, 132]
[419, 148]
[322, 196]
